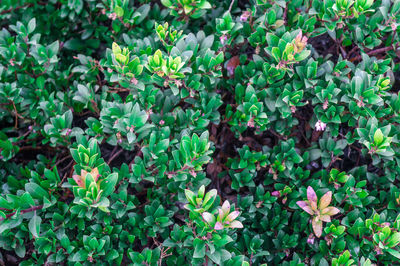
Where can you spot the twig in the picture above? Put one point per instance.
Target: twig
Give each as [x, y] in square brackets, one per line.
[11, 9]
[35, 208]
[60, 161]
[16, 115]
[373, 52]
[230, 6]
[114, 156]
[285, 14]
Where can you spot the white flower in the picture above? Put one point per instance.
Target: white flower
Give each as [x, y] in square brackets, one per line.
[320, 126]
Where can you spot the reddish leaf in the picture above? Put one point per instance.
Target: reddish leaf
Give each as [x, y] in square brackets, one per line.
[304, 205]
[330, 211]
[325, 200]
[312, 198]
[317, 227]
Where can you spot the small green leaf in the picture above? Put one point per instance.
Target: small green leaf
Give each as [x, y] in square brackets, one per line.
[34, 225]
[119, 11]
[378, 137]
[31, 25]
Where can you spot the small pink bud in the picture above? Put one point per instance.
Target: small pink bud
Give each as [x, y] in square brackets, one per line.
[311, 239]
[276, 193]
[178, 83]
[325, 105]
[134, 81]
[393, 26]
[109, 70]
[245, 15]
[193, 173]
[162, 122]
[250, 123]
[223, 39]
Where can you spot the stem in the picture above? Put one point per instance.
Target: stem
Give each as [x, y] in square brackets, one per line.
[11, 9]
[206, 261]
[373, 52]
[230, 6]
[34, 208]
[115, 155]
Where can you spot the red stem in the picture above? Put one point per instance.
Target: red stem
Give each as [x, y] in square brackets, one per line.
[34, 208]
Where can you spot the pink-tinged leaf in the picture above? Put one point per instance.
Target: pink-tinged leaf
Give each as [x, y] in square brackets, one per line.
[304, 205]
[232, 216]
[226, 207]
[325, 218]
[220, 214]
[208, 217]
[80, 179]
[218, 226]
[95, 174]
[312, 198]
[325, 200]
[235, 224]
[330, 211]
[317, 227]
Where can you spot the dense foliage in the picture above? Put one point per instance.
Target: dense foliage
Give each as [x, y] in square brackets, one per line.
[199, 132]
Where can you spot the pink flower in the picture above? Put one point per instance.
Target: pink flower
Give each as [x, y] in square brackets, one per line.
[223, 39]
[134, 81]
[245, 15]
[112, 16]
[193, 173]
[311, 239]
[250, 123]
[320, 126]
[162, 122]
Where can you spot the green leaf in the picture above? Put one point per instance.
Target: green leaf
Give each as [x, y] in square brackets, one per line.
[302, 55]
[166, 3]
[190, 196]
[108, 185]
[31, 25]
[36, 191]
[199, 248]
[394, 253]
[394, 240]
[34, 226]
[81, 255]
[378, 137]
[119, 11]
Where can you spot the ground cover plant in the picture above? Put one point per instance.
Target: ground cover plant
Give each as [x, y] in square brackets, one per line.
[194, 132]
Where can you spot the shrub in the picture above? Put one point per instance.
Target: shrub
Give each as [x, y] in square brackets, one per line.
[199, 132]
